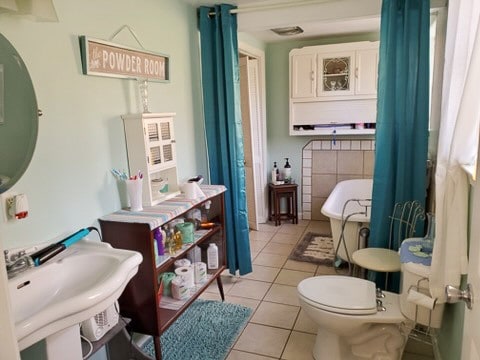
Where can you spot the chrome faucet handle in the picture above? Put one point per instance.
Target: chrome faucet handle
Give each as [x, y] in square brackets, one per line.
[379, 293]
[380, 306]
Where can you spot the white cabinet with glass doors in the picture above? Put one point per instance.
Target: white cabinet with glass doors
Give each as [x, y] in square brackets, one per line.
[329, 84]
[151, 151]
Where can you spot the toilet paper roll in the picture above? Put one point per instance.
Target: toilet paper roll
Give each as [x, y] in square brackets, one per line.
[180, 291]
[200, 272]
[187, 273]
[167, 279]
[181, 262]
[421, 299]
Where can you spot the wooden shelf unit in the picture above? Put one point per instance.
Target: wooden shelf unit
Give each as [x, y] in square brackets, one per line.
[139, 301]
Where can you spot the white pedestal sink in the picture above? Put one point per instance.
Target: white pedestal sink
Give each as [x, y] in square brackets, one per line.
[50, 301]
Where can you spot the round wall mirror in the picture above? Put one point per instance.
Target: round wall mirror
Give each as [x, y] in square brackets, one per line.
[18, 116]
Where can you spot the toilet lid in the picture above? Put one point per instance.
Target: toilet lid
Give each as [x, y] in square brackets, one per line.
[340, 294]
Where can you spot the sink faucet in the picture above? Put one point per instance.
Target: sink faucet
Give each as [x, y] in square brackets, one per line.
[17, 263]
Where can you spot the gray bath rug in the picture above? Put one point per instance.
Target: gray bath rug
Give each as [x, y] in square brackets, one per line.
[314, 248]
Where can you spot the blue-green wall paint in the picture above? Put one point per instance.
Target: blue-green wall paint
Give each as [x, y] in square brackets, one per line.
[81, 135]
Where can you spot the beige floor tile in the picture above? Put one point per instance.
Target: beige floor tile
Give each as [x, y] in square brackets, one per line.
[254, 255]
[250, 289]
[278, 315]
[213, 288]
[241, 355]
[257, 245]
[302, 222]
[272, 260]
[300, 266]
[262, 273]
[268, 227]
[282, 238]
[305, 324]
[292, 277]
[291, 229]
[210, 296]
[260, 235]
[251, 303]
[299, 346]
[282, 294]
[278, 249]
[320, 227]
[326, 270]
[262, 340]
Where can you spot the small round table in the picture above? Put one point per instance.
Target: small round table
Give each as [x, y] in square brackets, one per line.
[275, 194]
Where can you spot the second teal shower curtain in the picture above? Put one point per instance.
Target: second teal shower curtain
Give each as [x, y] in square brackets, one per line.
[402, 113]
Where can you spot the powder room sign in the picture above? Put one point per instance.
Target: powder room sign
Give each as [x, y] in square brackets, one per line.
[104, 58]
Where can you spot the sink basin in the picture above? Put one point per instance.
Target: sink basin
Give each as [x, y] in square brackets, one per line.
[75, 285]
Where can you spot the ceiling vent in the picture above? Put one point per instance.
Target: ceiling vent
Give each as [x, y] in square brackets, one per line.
[288, 31]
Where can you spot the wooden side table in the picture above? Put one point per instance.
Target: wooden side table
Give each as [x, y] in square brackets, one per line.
[277, 192]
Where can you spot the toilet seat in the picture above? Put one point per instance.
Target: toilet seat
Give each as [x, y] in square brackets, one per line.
[340, 294]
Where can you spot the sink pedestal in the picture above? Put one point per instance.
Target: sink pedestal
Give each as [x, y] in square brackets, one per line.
[65, 343]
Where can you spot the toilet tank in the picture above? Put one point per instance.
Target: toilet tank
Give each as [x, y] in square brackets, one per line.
[415, 277]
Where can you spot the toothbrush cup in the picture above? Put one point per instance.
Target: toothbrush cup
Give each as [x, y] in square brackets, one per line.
[134, 191]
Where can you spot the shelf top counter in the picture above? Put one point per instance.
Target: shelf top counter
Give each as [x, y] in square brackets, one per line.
[167, 210]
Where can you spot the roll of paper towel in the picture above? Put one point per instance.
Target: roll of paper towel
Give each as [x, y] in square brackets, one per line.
[187, 273]
[421, 299]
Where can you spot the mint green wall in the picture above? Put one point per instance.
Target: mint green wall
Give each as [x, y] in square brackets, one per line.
[81, 135]
[279, 143]
[250, 40]
[450, 336]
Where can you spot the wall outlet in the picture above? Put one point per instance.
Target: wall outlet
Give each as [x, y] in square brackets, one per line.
[4, 200]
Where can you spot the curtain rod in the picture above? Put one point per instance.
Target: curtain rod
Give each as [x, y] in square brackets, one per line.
[272, 6]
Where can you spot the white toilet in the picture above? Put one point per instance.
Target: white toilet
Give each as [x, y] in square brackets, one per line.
[352, 325]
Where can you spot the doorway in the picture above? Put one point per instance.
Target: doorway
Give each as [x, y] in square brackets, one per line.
[252, 97]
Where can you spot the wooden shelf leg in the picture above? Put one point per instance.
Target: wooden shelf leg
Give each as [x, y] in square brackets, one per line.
[220, 287]
[158, 348]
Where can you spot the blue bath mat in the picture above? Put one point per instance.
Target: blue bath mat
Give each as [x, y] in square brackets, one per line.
[206, 330]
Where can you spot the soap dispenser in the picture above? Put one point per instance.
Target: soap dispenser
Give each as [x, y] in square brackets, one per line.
[287, 171]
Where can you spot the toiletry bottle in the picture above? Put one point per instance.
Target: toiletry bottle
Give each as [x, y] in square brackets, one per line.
[212, 256]
[178, 240]
[287, 171]
[157, 235]
[274, 173]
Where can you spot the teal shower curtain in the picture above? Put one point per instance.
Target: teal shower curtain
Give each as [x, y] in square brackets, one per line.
[402, 114]
[223, 126]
